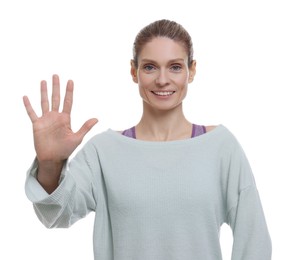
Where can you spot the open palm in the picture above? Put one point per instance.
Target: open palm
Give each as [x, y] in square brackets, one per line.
[54, 139]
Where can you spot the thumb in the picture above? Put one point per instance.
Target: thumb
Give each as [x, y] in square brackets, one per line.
[86, 127]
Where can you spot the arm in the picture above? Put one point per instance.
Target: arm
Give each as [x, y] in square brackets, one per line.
[76, 195]
[59, 199]
[251, 239]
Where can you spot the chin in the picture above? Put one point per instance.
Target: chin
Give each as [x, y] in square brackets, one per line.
[163, 107]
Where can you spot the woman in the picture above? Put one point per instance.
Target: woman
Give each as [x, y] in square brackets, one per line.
[159, 190]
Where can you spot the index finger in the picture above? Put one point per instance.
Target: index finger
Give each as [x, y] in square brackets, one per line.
[68, 97]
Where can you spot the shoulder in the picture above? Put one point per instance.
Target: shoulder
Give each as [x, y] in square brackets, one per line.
[221, 136]
[210, 128]
[102, 138]
[220, 133]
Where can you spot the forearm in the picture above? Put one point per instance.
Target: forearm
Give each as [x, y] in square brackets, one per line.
[251, 237]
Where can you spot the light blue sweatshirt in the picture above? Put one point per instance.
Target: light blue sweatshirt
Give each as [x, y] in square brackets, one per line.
[159, 200]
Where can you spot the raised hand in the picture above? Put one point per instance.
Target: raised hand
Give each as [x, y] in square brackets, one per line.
[54, 139]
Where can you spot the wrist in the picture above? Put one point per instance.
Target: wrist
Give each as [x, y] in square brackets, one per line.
[48, 174]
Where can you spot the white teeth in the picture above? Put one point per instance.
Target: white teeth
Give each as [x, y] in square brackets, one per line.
[163, 93]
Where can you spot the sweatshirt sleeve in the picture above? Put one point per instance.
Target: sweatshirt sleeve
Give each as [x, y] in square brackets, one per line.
[251, 239]
[75, 196]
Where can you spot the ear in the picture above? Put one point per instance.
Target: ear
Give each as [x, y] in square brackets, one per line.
[134, 71]
[192, 71]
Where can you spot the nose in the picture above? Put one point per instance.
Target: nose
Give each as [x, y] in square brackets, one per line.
[162, 78]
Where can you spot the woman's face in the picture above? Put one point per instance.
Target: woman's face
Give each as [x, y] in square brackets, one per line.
[163, 73]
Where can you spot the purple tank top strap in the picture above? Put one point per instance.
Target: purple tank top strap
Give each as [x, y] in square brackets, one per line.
[130, 132]
[197, 130]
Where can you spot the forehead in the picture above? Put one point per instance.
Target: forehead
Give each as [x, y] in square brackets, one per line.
[162, 48]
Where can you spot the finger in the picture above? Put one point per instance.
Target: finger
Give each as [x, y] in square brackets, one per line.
[68, 97]
[44, 97]
[86, 128]
[32, 115]
[55, 93]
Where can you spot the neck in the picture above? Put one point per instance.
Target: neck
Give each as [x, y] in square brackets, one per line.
[161, 125]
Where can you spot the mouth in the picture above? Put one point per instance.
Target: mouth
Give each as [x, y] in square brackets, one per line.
[163, 93]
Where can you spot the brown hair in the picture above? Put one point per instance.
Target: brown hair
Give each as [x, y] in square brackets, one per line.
[163, 28]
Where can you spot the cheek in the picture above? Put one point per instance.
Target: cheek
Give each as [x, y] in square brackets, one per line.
[183, 83]
[144, 85]
[181, 80]
[145, 82]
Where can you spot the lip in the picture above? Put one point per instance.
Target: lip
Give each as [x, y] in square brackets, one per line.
[163, 94]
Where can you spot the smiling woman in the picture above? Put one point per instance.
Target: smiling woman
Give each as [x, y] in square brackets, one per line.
[163, 66]
[160, 189]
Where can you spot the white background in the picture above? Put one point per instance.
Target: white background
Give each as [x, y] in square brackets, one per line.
[249, 62]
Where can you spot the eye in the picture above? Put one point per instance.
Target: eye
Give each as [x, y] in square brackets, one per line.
[149, 67]
[176, 67]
